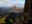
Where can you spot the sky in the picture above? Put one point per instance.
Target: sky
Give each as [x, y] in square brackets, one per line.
[10, 3]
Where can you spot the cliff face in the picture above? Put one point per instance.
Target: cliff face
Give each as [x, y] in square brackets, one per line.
[27, 11]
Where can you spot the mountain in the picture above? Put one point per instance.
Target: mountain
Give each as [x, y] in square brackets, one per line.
[4, 10]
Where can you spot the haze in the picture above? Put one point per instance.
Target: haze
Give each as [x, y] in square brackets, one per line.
[10, 3]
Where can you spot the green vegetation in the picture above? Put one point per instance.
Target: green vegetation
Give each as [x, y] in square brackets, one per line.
[11, 20]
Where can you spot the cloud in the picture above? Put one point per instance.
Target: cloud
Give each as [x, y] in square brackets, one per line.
[9, 3]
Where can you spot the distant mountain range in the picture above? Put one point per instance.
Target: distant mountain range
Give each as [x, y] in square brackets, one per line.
[8, 9]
